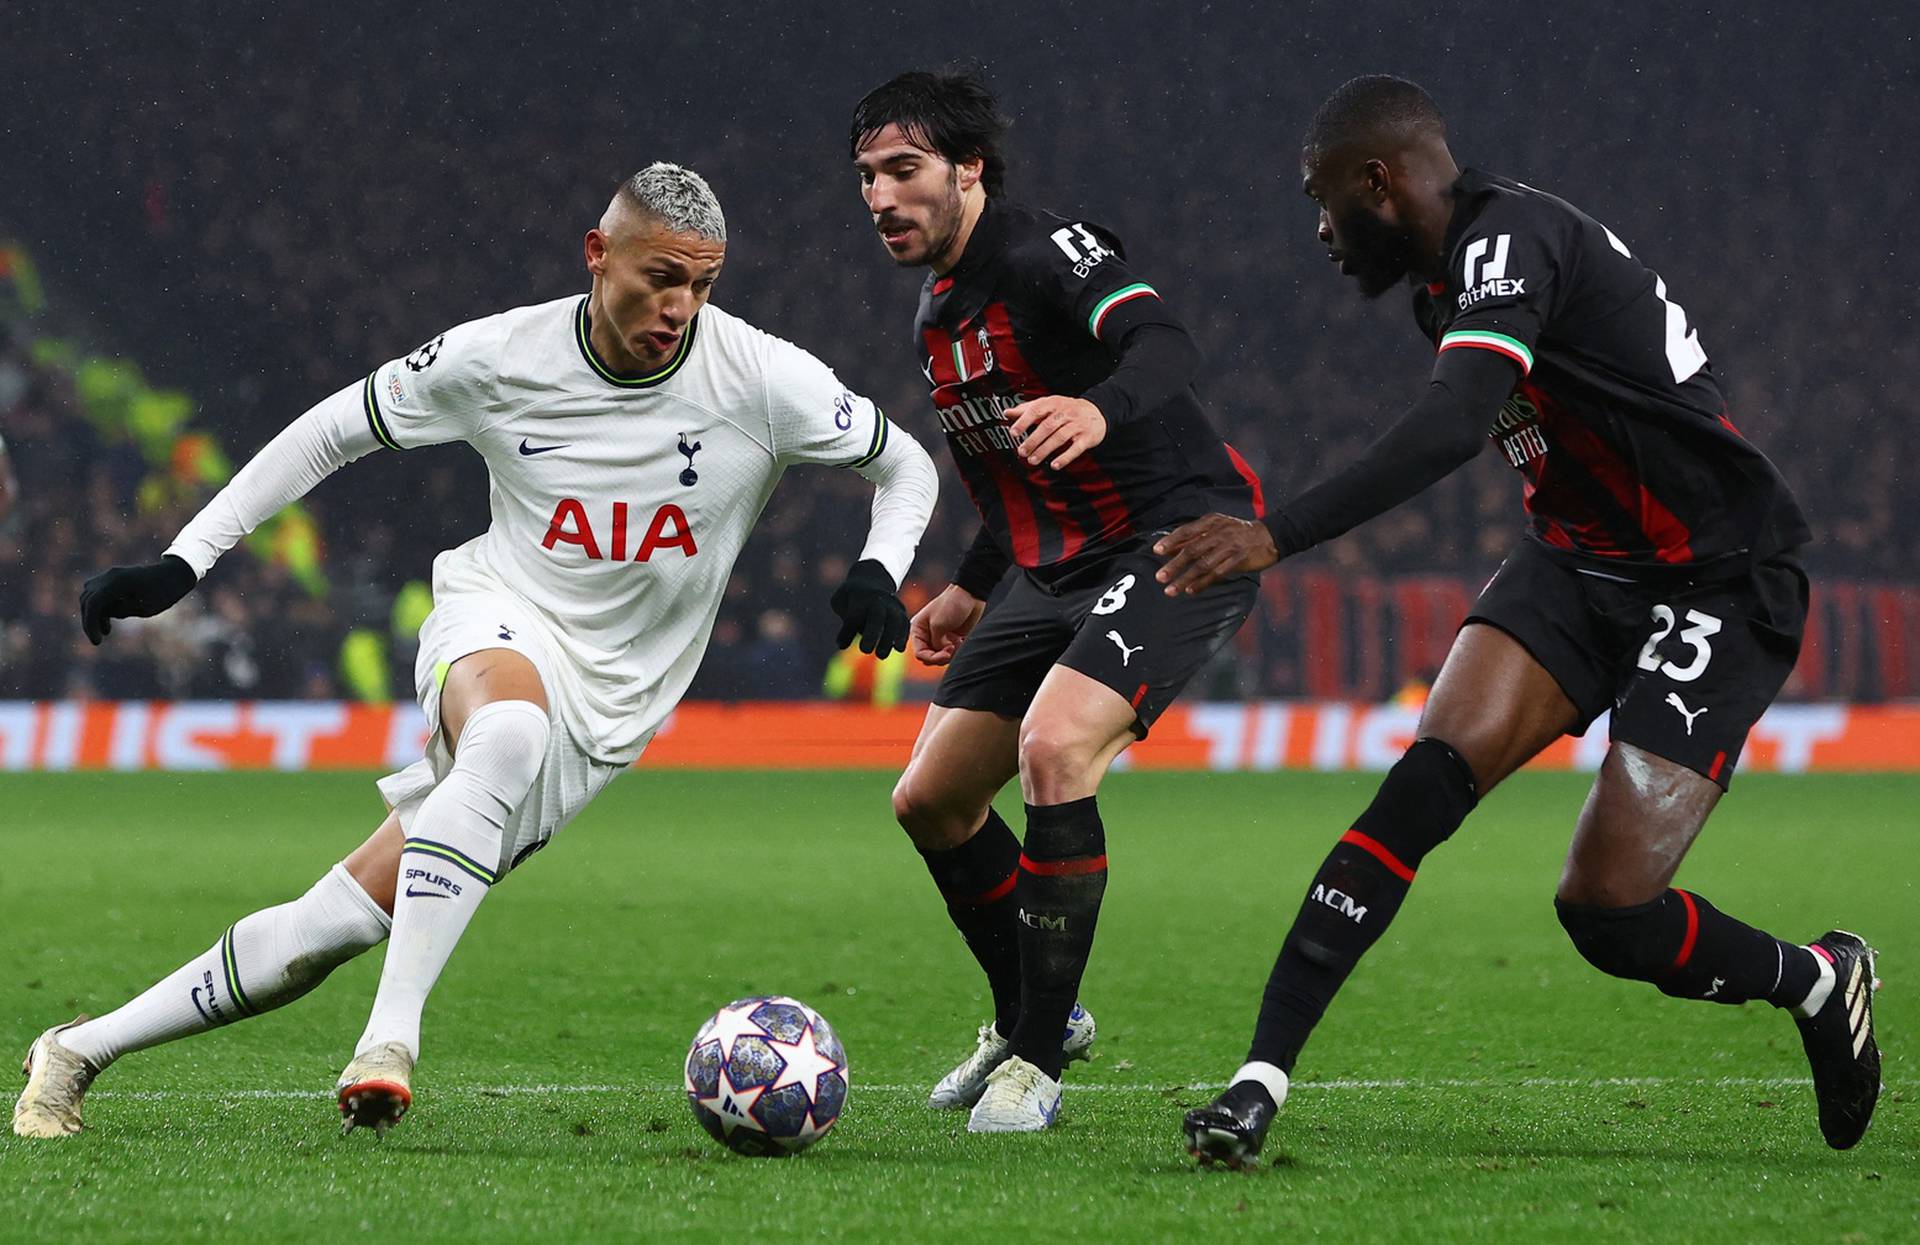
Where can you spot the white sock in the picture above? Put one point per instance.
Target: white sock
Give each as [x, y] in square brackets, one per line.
[263, 961]
[451, 858]
[1816, 997]
[1268, 1076]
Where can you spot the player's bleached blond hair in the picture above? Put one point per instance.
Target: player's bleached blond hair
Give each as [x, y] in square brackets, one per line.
[678, 198]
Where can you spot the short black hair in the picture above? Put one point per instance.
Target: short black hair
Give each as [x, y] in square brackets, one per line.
[1370, 106]
[951, 112]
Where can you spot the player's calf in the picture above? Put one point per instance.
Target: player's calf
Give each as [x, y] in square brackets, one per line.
[977, 881]
[1357, 892]
[1062, 879]
[451, 858]
[1687, 948]
[264, 960]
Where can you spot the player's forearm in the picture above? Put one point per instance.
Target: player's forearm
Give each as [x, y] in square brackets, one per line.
[905, 487]
[1157, 361]
[1442, 431]
[982, 566]
[330, 435]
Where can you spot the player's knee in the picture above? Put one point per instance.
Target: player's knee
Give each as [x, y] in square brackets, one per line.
[1632, 942]
[1055, 755]
[931, 816]
[910, 807]
[502, 746]
[1422, 801]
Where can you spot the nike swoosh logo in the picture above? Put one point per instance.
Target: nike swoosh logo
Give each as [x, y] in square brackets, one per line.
[414, 894]
[200, 1008]
[529, 451]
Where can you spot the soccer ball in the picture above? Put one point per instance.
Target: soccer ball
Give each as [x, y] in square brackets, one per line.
[766, 1076]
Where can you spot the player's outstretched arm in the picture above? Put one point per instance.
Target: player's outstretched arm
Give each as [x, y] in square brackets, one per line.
[943, 623]
[1442, 431]
[314, 446]
[905, 487]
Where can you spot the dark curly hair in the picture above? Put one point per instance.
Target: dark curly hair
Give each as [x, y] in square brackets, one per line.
[1370, 105]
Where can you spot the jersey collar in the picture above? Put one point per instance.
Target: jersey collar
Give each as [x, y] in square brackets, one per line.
[989, 238]
[582, 334]
[1470, 191]
[957, 297]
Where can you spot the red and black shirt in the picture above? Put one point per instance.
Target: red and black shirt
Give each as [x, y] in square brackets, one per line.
[1617, 424]
[1041, 305]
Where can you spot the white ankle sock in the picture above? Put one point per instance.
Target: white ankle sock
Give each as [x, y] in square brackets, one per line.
[1267, 1075]
[263, 961]
[1816, 997]
[451, 858]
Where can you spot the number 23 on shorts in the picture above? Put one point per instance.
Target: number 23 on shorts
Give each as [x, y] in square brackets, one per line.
[1699, 627]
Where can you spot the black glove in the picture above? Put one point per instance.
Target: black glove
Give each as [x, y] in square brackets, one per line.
[869, 609]
[133, 592]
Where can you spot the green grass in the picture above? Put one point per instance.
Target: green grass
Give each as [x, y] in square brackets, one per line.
[1475, 1082]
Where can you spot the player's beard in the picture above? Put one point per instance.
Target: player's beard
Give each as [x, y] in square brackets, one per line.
[1378, 255]
[943, 225]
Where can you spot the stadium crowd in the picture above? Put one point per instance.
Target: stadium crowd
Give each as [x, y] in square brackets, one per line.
[280, 234]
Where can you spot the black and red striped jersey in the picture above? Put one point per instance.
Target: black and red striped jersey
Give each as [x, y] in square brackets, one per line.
[1040, 305]
[1617, 425]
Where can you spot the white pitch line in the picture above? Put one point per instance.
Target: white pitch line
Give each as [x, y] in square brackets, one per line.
[535, 1091]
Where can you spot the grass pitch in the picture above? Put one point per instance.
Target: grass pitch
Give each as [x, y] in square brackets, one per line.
[1476, 1080]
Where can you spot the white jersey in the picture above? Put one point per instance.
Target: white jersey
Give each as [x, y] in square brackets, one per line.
[619, 503]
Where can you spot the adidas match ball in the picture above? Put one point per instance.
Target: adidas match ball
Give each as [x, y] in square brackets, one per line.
[766, 1076]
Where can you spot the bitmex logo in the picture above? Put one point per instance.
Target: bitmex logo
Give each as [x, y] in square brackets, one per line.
[1482, 277]
[1495, 267]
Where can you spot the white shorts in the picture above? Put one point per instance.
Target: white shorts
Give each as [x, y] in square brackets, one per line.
[568, 778]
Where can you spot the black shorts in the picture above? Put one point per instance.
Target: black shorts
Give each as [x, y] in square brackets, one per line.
[1112, 622]
[1686, 667]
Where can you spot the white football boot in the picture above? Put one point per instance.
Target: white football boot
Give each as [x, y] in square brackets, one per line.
[377, 1088]
[57, 1079]
[962, 1087]
[1019, 1098]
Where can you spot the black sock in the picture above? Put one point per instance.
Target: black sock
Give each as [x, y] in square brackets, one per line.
[1741, 961]
[1354, 896]
[977, 881]
[1689, 949]
[1063, 874]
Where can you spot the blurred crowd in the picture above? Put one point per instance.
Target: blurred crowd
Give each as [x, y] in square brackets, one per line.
[253, 632]
[294, 206]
